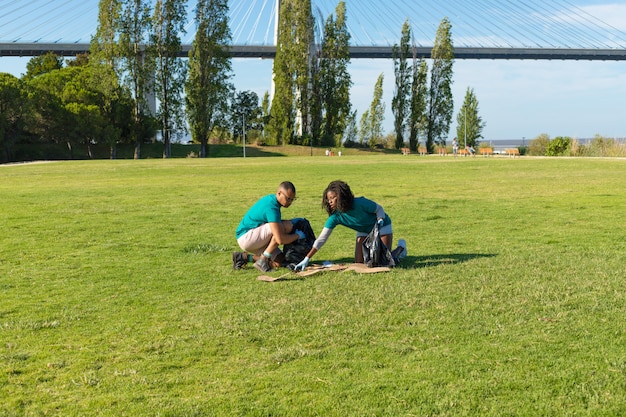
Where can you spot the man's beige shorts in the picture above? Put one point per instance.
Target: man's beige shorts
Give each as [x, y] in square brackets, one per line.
[255, 241]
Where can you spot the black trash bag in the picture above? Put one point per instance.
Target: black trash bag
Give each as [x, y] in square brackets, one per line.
[296, 251]
[375, 253]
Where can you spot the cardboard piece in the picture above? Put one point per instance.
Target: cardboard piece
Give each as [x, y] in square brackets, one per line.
[267, 278]
[316, 269]
[364, 269]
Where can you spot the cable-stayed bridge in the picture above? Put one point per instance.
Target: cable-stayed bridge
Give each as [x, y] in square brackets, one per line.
[481, 29]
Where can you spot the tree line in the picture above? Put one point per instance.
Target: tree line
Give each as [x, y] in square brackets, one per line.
[133, 88]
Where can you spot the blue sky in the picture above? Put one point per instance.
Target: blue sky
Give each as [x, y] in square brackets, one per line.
[517, 98]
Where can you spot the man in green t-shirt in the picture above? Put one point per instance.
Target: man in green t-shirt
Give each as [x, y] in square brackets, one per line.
[262, 230]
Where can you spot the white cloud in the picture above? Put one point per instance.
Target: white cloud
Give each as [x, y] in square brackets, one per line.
[611, 14]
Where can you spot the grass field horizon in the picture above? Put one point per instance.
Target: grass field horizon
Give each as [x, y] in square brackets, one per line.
[119, 298]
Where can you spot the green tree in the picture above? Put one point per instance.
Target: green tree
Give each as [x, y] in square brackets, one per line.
[168, 23]
[52, 122]
[441, 104]
[103, 48]
[104, 60]
[402, 94]
[303, 43]
[265, 113]
[364, 128]
[208, 84]
[14, 105]
[292, 74]
[316, 101]
[376, 114]
[282, 109]
[70, 107]
[42, 64]
[335, 79]
[351, 133]
[469, 125]
[80, 60]
[245, 113]
[137, 67]
[419, 102]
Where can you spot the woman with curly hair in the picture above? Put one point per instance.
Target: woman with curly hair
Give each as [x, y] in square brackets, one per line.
[356, 213]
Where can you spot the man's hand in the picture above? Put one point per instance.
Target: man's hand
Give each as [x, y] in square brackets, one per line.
[302, 265]
[300, 234]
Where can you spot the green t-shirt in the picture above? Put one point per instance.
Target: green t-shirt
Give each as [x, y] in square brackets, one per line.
[266, 210]
[361, 217]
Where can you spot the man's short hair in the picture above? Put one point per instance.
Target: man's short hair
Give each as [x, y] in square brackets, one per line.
[287, 186]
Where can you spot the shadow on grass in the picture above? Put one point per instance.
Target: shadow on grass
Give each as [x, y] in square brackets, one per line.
[413, 262]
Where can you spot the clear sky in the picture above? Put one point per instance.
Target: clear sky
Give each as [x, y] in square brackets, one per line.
[517, 98]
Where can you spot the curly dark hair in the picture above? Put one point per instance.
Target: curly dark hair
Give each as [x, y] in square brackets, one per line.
[345, 198]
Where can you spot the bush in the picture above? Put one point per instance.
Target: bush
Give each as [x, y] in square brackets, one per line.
[558, 146]
[602, 147]
[539, 145]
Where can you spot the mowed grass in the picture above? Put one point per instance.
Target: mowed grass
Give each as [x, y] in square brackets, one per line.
[118, 298]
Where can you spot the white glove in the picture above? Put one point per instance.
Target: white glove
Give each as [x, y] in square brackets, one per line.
[300, 234]
[302, 265]
[380, 222]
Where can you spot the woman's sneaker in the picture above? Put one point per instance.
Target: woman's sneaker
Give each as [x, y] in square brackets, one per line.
[402, 244]
[399, 252]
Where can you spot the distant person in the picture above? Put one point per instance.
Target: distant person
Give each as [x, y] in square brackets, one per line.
[471, 150]
[455, 146]
[356, 213]
[262, 230]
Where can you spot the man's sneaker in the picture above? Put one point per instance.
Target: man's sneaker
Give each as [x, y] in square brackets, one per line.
[263, 264]
[240, 259]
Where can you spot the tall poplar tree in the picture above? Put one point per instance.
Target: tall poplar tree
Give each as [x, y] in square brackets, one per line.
[265, 113]
[402, 94]
[335, 79]
[292, 74]
[137, 66]
[103, 47]
[105, 64]
[168, 23]
[208, 84]
[303, 54]
[440, 99]
[469, 125]
[282, 109]
[418, 119]
[376, 113]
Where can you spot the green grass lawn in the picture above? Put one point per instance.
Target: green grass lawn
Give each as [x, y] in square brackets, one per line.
[118, 298]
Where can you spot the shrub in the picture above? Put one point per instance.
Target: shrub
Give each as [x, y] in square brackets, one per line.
[539, 145]
[558, 146]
